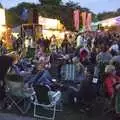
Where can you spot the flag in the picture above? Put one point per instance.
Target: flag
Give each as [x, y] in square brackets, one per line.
[76, 16]
[84, 18]
[89, 21]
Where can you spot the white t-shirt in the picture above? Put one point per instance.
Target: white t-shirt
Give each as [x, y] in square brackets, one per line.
[27, 43]
[115, 47]
[79, 38]
[93, 40]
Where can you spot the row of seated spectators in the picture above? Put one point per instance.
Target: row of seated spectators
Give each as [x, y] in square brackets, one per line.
[88, 68]
[87, 75]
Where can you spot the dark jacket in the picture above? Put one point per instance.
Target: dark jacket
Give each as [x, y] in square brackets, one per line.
[5, 63]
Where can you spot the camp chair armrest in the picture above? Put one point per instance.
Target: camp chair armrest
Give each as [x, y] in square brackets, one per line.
[29, 92]
[43, 105]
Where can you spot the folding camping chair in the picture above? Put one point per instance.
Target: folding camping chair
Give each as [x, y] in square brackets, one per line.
[68, 72]
[16, 94]
[43, 100]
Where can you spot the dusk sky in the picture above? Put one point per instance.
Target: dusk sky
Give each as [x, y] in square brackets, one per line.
[94, 5]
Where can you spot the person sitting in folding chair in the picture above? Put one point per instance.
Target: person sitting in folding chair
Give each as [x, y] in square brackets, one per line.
[41, 76]
[80, 73]
[6, 62]
[44, 78]
[23, 68]
[80, 95]
[17, 94]
[47, 100]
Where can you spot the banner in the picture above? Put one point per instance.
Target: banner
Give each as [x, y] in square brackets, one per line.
[76, 16]
[84, 19]
[48, 23]
[88, 22]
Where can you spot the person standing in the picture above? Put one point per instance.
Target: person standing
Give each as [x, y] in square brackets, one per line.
[78, 40]
[41, 41]
[115, 48]
[47, 44]
[53, 44]
[65, 45]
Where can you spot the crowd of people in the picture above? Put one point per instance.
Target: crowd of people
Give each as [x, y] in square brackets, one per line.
[83, 66]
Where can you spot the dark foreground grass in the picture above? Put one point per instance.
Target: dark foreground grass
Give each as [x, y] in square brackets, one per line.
[68, 113]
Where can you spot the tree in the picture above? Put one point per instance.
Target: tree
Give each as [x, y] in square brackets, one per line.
[47, 8]
[85, 9]
[106, 15]
[50, 2]
[118, 10]
[9, 18]
[95, 18]
[72, 4]
[15, 12]
[1, 5]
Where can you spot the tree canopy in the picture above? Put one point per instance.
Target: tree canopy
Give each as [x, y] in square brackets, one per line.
[72, 4]
[50, 2]
[106, 15]
[1, 5]
[53, 9]
[61, 12]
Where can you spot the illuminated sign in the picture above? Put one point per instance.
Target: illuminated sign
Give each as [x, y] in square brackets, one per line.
[48, 23]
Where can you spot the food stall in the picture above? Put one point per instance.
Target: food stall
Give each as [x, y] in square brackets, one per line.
[31, 30]
[108, 24]
[31, 33]
[52, 27]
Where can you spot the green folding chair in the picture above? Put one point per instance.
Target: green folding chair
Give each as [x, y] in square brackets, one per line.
[16, 93]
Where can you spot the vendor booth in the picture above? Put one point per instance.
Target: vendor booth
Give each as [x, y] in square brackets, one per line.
[108, 24]
[31, 33]
[31, 30]
[51, 27]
